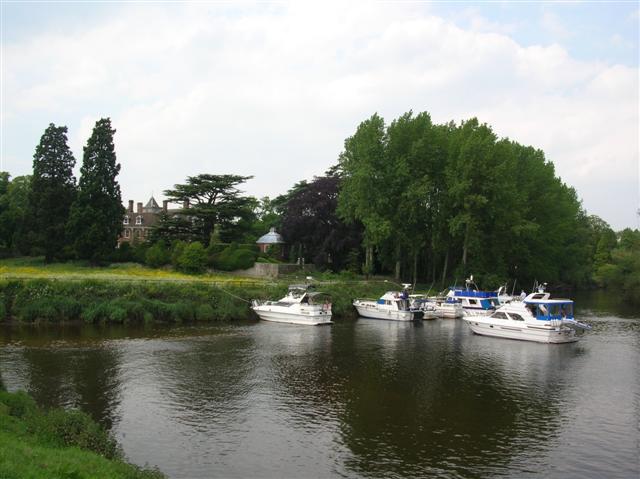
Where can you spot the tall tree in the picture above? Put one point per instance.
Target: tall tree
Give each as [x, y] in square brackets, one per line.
[14, 201]
[96, 215]
[214, 201]
[364, 192]
[52, 192]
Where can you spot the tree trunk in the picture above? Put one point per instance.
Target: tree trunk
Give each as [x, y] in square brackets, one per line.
[397, 273]
[415, 267]
[465, 248]
[446, 264]
[368, 261]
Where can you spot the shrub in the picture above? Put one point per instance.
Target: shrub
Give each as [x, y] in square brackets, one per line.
[112, 311]
[75, 428]
[123, 254]
[157, 255]
[18, 404]
[177, 248]
[49, 308]
[205, 312]
[193, 259]
[234, 257]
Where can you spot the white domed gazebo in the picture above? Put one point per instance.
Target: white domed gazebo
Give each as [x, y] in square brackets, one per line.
[271, 238]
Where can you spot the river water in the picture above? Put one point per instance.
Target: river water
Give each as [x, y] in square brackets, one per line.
[361, 398]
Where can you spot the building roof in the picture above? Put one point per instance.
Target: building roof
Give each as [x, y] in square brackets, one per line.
[152, 205]
[271, 238]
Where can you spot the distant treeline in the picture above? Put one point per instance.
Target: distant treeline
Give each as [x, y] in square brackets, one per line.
[424, 202]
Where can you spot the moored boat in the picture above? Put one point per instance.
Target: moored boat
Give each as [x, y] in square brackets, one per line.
[301, 305]
[474, 301]
[538, 318]
[448, 308]
[392, 305]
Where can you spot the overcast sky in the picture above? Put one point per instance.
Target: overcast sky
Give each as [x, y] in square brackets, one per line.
[273, 89]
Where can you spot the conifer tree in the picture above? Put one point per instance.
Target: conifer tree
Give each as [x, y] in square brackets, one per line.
[96, 214]
[51, 194]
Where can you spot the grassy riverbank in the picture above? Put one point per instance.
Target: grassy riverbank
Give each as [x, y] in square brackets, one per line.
[32, 291]
[64, 444]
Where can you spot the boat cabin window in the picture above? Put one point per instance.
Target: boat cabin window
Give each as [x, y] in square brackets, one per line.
[500, 315]
[516, 317]
[473, 301]
[387, 302]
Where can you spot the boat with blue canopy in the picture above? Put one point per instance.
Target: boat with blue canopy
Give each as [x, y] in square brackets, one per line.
[538, 318]
[473, 300]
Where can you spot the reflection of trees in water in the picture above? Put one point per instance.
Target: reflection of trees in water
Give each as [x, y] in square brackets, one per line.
[412, 403]
[62, 376]
[202, 377]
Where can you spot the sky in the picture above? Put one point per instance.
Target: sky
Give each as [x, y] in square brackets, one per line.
[272, 89]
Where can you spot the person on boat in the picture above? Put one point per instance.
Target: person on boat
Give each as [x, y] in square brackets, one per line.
[404, 294]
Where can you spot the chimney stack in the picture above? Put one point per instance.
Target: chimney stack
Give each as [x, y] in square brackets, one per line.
[165, 204]
[130, 206]
[139, 207]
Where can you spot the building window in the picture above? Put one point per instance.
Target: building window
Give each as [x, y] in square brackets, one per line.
[137, 233]
[125, 221]
[138, 220]
[127, 233]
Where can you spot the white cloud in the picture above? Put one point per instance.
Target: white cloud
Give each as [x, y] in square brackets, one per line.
[273, 90]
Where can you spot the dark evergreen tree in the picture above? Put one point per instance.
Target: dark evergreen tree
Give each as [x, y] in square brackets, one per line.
[52, 192]
[96, 215]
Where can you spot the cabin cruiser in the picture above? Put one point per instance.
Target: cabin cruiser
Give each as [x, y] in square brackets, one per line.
[472, 300]
[537, 318]
[448, 307]
[392, 305]
[301, 305]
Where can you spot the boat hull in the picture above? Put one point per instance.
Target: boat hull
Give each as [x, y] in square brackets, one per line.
[448, 312]
[524, 332]
[310, 319]
[372, 312]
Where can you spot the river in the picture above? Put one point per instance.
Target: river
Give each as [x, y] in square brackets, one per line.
[361, 398]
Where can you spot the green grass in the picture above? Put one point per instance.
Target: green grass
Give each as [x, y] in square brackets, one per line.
[38, 444]
[28, 267]
[31, 290]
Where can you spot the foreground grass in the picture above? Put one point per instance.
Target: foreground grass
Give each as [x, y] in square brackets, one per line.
[57, 444]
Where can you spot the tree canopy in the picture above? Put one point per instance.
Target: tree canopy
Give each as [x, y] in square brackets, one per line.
[214, 201]
[457, 198]
[96, 215]
[52, 191]
[312, 228]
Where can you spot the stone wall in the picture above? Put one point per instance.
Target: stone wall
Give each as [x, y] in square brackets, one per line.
[271, 270]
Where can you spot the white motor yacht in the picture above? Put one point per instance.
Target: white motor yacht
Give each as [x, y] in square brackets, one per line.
[474, 301]
[537, 318]
[301, 305]
[393, 305]
[447, 307]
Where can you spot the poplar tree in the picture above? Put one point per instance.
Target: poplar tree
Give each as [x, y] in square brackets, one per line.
[96, 215]
[51, 194]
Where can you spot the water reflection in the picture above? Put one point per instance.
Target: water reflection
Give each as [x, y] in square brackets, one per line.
[364, 398]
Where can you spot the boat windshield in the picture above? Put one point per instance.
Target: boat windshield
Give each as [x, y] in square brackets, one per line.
[549, 311]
